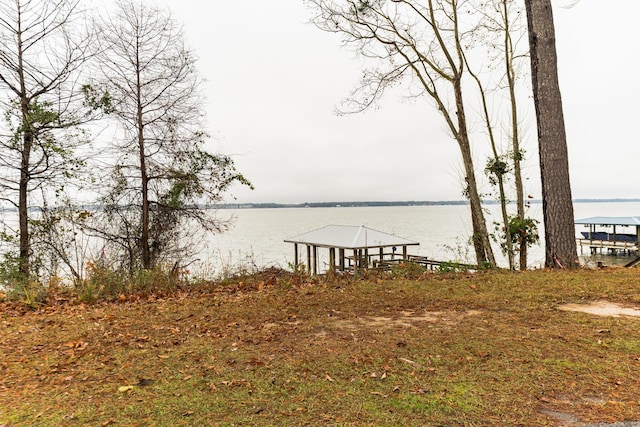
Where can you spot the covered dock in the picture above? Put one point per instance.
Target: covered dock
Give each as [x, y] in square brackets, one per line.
[351, 248]
[613, 234]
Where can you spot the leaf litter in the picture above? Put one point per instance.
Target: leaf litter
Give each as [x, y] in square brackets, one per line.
[490, 349]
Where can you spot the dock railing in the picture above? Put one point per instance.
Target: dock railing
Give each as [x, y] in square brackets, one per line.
[429, 264]
[612, 246]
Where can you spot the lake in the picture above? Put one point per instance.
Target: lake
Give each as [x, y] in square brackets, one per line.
[257, 236]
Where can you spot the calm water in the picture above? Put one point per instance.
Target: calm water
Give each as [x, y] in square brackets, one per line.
[256, 238]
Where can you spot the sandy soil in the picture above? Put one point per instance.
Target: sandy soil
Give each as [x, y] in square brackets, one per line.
[602, 308]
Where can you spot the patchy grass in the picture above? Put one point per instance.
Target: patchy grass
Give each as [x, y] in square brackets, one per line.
[275, 349]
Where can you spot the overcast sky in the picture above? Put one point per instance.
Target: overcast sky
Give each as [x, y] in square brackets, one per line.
[273, 80]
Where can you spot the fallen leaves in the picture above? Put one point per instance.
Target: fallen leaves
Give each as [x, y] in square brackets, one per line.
[73, 346]
[276, 355]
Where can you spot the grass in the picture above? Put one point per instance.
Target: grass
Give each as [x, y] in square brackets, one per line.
[276, 349]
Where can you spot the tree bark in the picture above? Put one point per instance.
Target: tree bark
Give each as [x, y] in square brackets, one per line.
[560, 242]
[480, 238]
[23, 201]
[515, 134]
[144, 181]
[25, 163]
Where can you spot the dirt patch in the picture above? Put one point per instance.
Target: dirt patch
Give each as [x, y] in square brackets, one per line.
[602, 308]
[407, 319]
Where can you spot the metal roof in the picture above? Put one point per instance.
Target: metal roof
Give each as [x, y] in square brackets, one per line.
[349, 237]
[610, 220]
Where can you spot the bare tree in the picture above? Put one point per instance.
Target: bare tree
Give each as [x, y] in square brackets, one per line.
[421, 41]
[151, 87]
[42, 48]
[557, 204]
[521, 227]
[502, 27]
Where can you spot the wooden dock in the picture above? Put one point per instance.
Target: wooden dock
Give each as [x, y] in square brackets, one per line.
[611, 246]
[428, 263]
[353, 249]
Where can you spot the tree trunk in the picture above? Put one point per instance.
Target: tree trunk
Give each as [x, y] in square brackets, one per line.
[144, 179]
[515, 134]
[28, 137]
[480, 238]
[23, 199]
[144, 184]
[557, 203]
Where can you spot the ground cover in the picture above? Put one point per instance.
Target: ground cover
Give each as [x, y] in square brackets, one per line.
[277, 349]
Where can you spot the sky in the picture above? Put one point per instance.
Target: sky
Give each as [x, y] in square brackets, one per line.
[273, 81]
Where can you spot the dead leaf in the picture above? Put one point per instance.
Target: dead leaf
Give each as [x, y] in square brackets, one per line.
[145, 382]
[255, 362]
[411, 362]
[377, 393]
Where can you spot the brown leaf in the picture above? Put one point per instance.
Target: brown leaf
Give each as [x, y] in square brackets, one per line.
[377, 393]
[145, 381]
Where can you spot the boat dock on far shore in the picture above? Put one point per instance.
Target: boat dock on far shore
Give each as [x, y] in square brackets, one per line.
[614, 235]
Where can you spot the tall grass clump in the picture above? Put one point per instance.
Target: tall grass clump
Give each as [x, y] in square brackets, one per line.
[16, 287]
[407, 270]
[103, 282]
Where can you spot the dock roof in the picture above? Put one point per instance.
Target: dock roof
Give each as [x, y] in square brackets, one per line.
[610, 220]
[349, 237]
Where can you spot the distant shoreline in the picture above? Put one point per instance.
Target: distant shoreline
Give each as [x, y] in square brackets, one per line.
[388, 203]
[347, 204]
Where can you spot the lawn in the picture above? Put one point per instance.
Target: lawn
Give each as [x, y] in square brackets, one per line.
[277, 349]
